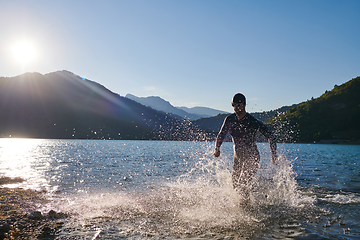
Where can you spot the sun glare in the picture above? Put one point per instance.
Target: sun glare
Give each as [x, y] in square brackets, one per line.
[24, 52]
[19, 159]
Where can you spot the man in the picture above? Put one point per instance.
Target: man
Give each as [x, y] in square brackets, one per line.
[243, 128]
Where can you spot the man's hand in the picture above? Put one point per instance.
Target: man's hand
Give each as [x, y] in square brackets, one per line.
[274, 155]
[217, 152]
[274, 159]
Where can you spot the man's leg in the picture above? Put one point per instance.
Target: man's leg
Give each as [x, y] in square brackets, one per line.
[244, 170]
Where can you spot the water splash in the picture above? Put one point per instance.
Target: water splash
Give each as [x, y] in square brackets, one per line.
[282, 187]
[198, 203]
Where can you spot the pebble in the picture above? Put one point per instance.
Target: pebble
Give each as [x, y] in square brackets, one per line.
[35, 215]
[19, 218]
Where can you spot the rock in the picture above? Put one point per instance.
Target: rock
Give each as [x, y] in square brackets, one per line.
[21, 224]
[54, 215]
[4, 227]
[11, 219]
[18, 220]
[7, 180]
[35, 215]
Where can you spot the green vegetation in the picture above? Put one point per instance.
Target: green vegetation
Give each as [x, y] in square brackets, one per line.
[334, 116]
[63, 105]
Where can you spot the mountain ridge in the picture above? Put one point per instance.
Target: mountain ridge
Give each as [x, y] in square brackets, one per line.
[332, 117]
[215, 123]
[204, 111]
[63, 105]
[160, 104]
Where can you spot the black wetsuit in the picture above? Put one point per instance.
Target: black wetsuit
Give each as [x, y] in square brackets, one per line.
[246, 154]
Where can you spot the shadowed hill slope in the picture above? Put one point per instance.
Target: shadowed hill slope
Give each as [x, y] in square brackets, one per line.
[63, 105]
[215, 123]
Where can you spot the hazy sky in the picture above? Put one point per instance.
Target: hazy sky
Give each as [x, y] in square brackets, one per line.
[191, 53]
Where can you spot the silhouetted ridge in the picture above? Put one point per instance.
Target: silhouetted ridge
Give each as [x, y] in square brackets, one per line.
[160, 104]
[63, 105]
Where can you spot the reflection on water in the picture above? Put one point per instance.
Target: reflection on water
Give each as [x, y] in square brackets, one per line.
[24, 158]
[154, 189]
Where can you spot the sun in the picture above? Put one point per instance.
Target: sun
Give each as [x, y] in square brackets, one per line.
[24, 52]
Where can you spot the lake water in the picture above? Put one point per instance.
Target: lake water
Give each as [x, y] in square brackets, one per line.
[170, 190]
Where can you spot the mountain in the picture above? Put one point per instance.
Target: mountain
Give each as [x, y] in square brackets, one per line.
[332, 117]
[63, 105]
[215, 123]
[162, 105]
[203, 111]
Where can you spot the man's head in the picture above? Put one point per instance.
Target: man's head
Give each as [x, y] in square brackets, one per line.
[239, 102]
[239, 98]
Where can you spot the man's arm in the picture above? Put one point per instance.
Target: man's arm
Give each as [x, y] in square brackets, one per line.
[217, 152]
[220, 137]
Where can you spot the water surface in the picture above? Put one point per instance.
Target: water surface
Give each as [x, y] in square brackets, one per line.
[159, 189]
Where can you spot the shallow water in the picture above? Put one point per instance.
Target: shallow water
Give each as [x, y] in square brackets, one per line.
[158, 189]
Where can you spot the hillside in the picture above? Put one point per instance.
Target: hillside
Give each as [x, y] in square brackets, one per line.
[215, 123]
[334, 116]
[63, 105]
[160, 104]
[203, 111]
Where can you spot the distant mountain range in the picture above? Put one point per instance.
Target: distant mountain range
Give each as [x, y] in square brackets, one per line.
[203, 111]
[188, 113]
[63, 105]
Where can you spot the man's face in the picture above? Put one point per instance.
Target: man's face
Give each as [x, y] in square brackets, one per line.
[238, 107]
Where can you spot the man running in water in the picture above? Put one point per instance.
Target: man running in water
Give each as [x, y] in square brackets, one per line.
[242, 128]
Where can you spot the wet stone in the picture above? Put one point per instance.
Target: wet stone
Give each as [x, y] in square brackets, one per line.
[35, 215]
[21, 220]
[4, 227]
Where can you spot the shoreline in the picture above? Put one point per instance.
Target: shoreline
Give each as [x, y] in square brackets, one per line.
[20, 217]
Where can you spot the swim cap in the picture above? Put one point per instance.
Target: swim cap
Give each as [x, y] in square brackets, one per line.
[239, 98]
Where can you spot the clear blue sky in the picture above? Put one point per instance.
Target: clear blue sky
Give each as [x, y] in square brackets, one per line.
[191, 53]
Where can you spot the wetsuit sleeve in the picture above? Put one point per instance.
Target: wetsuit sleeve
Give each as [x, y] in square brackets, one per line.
[223, 131]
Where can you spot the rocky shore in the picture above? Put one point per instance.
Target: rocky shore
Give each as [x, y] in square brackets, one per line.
[20, 217]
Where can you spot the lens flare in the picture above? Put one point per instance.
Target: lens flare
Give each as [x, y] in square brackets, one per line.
[24, 52]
